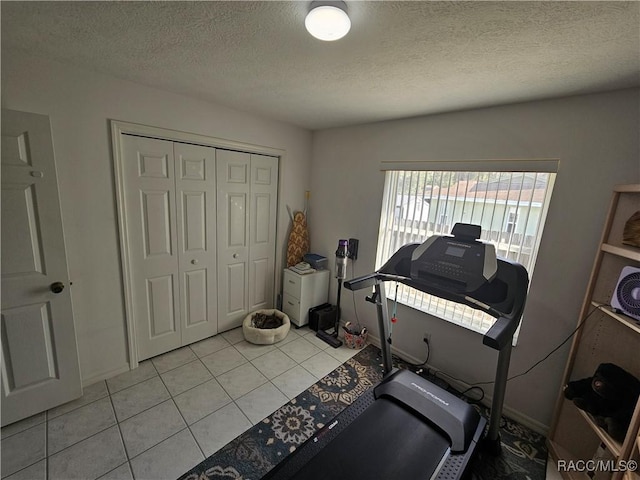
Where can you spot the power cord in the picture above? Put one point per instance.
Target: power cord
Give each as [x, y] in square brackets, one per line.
[465, 393]
[416, 365]
[476, 386]
[551, 352]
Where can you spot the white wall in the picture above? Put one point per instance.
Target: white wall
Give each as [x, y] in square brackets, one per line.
[79, 104]
[596, 139]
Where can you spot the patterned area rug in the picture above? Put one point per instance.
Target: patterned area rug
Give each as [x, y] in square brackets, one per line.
[251, 455]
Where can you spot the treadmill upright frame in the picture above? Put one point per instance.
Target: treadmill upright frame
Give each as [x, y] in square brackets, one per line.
[506, 306]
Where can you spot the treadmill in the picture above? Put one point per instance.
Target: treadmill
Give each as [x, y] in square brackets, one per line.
[407, 428]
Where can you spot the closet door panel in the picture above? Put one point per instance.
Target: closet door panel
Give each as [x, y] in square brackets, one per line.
[262, 231]
[196, 301]
[236, 220]
[195, 174]
[156, 223]
[160, 294]
[235, 298]
[259, 285]
[153, 255]
[194, 221]
[233, 190]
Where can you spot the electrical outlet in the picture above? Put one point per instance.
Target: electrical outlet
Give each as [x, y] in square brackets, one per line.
[427, 337]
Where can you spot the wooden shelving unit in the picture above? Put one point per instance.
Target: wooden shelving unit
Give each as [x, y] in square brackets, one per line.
[604, 336]
[636, 458]
[632, 473]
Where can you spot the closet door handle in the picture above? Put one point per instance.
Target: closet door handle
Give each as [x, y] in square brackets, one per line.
[235, 255]
[194, 262]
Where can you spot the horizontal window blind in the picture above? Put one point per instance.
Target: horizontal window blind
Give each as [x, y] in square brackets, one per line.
[510, 206]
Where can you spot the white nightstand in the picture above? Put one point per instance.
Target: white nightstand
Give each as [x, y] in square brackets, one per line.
[302, 292]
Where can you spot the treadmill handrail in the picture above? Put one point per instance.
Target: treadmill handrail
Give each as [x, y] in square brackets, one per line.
[506, 323]
[371, 279]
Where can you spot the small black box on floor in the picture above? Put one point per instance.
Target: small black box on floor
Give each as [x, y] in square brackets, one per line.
[322, 317]
[313, 315]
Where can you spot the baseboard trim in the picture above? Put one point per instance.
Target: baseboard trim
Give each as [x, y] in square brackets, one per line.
[104, 375]
[519, 417]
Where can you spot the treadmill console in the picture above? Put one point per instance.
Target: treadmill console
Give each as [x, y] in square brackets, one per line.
[460, 263]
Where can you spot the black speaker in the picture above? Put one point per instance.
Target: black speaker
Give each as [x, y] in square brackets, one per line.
[322, 317]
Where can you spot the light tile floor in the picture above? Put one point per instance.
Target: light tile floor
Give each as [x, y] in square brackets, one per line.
[161, 419]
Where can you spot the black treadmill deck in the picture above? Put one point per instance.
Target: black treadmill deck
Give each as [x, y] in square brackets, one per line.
[376, 439]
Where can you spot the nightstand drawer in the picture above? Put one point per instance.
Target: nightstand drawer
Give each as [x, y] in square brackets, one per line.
[292, 284]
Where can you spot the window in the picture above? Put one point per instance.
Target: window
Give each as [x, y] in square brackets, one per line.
[510, 206]
[512, 218]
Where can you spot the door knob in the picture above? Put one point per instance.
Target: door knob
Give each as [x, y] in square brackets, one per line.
[57, 287]
[194, 262]
[235, 255]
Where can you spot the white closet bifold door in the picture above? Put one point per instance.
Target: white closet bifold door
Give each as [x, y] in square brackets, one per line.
[247, 199]
[262, 235]
[196, 219]
[233, 237]
[153, 255]
[170, 208]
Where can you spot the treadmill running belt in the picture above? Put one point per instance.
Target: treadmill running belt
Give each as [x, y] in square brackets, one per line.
[385, 442]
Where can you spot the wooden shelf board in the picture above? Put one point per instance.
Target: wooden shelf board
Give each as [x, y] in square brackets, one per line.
[614, 446]
[633, 188]
[623, 319]
[557, 452]
[622, 251]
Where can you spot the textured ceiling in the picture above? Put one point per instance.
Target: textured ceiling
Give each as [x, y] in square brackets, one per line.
[400, 59]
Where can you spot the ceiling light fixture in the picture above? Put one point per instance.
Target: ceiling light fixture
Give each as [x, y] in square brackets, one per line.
[328, 21]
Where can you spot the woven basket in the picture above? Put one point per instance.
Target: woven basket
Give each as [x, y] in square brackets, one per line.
[354, 341]
[631, 232]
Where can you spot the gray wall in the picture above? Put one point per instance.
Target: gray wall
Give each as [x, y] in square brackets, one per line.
[79, 104]
[595, 137]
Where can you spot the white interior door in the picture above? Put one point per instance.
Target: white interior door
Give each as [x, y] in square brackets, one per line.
[149, 172]
[233, 181]
[196, 217]
[40, 368]
[262, 231]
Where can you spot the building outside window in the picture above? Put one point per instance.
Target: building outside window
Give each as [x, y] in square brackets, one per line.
[512, 218]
